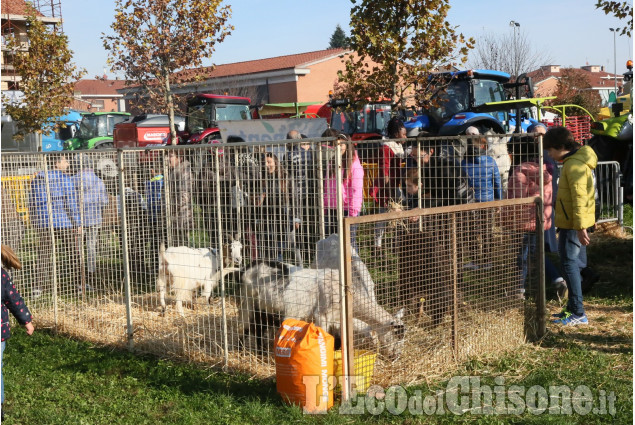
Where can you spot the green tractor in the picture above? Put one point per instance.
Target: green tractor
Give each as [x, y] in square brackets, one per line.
[95, 130]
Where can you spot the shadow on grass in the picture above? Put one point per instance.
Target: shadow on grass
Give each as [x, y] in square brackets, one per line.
[604, 332]
[188, 379]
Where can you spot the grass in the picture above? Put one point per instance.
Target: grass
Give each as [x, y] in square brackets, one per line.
[54, 380]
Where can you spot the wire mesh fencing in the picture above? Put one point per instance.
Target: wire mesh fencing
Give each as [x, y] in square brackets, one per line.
[449, 284]
[199, 252]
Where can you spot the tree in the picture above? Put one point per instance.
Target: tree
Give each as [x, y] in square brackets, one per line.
[398, 43]
[48, 77]
[339, 39]
[574, 88]
[619, 9]
[159, 43]
[513, 54]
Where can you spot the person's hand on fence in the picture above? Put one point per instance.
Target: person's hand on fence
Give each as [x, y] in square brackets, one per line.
[29, 328]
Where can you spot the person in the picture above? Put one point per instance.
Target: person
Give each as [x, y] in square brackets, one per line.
[525, 183]
[387, 185]
[179, 183]
[443, 182]
[352, 188]
[64, 218]
[12, 302]
[299, 165]
[482, 172]
[424, 253]
[575, 213]
[271, 209]
[242, 186]
[551, 243]
[92, 197]
[155, 219]
[484, 179]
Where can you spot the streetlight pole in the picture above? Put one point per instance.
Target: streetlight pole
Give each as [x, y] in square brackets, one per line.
[515, 52]
[614, 31]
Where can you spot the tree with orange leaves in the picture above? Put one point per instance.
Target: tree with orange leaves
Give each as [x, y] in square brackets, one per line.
[158, 43]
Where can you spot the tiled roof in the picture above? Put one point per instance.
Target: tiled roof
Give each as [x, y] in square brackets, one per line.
[14, 7]
[270, 64]
[596, 79]
[98, 87]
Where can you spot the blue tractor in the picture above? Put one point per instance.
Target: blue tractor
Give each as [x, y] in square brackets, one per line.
[478, 98]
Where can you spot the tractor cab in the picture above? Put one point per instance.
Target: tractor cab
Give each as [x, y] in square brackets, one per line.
[96, 130]
[204, 111]
[367, 122]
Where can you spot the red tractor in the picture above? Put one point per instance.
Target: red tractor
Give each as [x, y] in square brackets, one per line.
[204, 111]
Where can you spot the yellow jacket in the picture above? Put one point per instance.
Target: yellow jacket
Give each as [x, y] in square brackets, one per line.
[575, 204]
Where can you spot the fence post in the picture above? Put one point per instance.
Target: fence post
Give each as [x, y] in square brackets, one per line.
[124, 246]
[343, 245]
[221, 260]
[455, 280]
[541, 296]
[166, 197]
[321, 192]
[49, 210]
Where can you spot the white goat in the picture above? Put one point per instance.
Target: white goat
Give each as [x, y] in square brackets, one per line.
[186, 270]
[233, 252]
[270, 290]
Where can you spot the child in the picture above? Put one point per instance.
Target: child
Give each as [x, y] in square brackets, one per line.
[11, 301]
[387, 185]
[525, 183]
[423, 250]
[352, 188]
[92, 198]
[484, 178]
[575, 213]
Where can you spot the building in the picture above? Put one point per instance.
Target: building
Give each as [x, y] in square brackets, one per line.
[13, 14]
[99, 95]
[302, 77]
[545, 80]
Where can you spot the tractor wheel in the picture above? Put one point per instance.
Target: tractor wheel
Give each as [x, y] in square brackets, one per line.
[106, 145]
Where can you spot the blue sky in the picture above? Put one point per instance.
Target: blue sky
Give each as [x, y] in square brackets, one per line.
[571, 32]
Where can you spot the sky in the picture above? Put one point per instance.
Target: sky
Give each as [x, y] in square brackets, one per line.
[570, 32]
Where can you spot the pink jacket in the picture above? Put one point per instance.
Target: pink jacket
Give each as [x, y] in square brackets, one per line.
[352, 190]
[525, 183]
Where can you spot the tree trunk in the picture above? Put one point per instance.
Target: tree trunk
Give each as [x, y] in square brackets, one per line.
[169, 101]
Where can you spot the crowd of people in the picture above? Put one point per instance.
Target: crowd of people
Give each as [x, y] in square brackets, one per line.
[282, 201]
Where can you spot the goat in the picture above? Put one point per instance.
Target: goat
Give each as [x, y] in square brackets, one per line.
[233, 252]
[277, 289]
[185, 270]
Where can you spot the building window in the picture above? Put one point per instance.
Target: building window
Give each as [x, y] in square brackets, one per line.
[97, 104]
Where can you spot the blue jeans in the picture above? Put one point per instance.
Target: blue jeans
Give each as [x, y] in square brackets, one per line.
[551, 270]
[4, 343]
[569, 250]
[528, 246]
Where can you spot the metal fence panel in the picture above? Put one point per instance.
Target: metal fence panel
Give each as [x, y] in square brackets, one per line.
[199, 252]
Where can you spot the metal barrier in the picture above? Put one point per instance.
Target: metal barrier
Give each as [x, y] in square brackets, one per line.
[610, 194]
[17, 188]
[143, 257]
